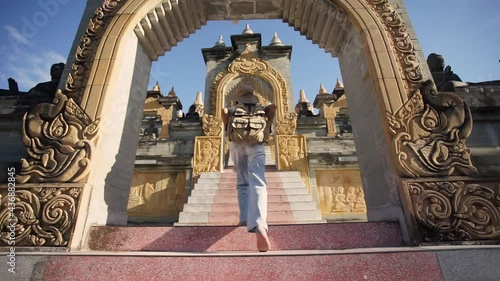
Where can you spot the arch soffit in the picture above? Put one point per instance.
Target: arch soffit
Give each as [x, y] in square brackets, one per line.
[374, 17]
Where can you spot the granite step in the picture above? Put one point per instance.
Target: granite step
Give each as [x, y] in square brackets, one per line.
[233, 185]
[232, 238]
[298, 265]
[232, 218]
[230, 207]
[234, 192]
[234, 199]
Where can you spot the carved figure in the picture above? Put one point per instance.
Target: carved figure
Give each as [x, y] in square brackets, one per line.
[351, 197]
[48, 89]
[360, 202]
[339, 201]
[59, 139]
[291, 153]
[444, 78]
[208, 157]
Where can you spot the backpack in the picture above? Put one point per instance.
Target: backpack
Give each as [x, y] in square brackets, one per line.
[248, 124]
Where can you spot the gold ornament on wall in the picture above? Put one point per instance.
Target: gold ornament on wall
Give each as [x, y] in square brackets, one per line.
[429, 133]
[287, 124]
[212, 125]
[207, 154]
[248, 64]
[292, 156]
[59, 139]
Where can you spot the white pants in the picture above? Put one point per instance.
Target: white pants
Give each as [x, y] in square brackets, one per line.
[249, 162]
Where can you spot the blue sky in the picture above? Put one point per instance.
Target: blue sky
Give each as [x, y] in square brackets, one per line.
[36, 33]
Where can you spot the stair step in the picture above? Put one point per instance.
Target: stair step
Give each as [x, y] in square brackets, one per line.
[233, 207]
[233, 192]
[231, 238]
[233, 185]
[234, 199]
[233, 180]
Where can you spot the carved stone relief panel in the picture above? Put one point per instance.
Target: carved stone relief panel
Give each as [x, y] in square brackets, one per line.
[452, 210]
[212, 125]
[340, 191]
[292, 156]
[41, 214]
[60, 142]
[156, 194]
[207, 154]
[429, 134]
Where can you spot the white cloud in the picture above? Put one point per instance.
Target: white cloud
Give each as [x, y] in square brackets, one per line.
[15, 35]
[29, 69]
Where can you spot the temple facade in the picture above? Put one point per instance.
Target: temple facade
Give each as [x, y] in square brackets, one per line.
[313, 139]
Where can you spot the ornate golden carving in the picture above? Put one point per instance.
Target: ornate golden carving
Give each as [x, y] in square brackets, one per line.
[207, 154]
[59, 139]
[452, 210]
[84, 57]
[212, 125]
[329, 113]
[292, 156]
[334, 197]
[401, 42]
[248, 64]
[287, 124]
[429, 134]
[43, 216]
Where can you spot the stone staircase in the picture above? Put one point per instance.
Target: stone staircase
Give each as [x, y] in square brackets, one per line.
[213, 200]
[343, 251]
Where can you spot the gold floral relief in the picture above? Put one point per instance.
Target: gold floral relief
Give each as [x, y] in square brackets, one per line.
[156, 194]
[207, 154]
[287, 124]
[292, 156]
[212, 125]
[340, 191]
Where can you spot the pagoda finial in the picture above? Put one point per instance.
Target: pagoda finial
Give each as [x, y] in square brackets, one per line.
[220, 42]
[275, 41]
[339, 85]
[172, 92]
[156, 87]
[322, 89]
[302, 97]
[247, 30]
[199, 100]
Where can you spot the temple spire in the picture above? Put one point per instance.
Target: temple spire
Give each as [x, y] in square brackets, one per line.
[303, 97]
[322, 89]
[247, 30]
[156, 87]
[339, 85]
[276, 41]
[199, 100]
[220, 42]
[172, 92]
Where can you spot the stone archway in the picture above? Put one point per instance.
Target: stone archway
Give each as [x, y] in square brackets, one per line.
[379, 62]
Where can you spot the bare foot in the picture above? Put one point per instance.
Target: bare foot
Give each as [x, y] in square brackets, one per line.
[263, 244]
